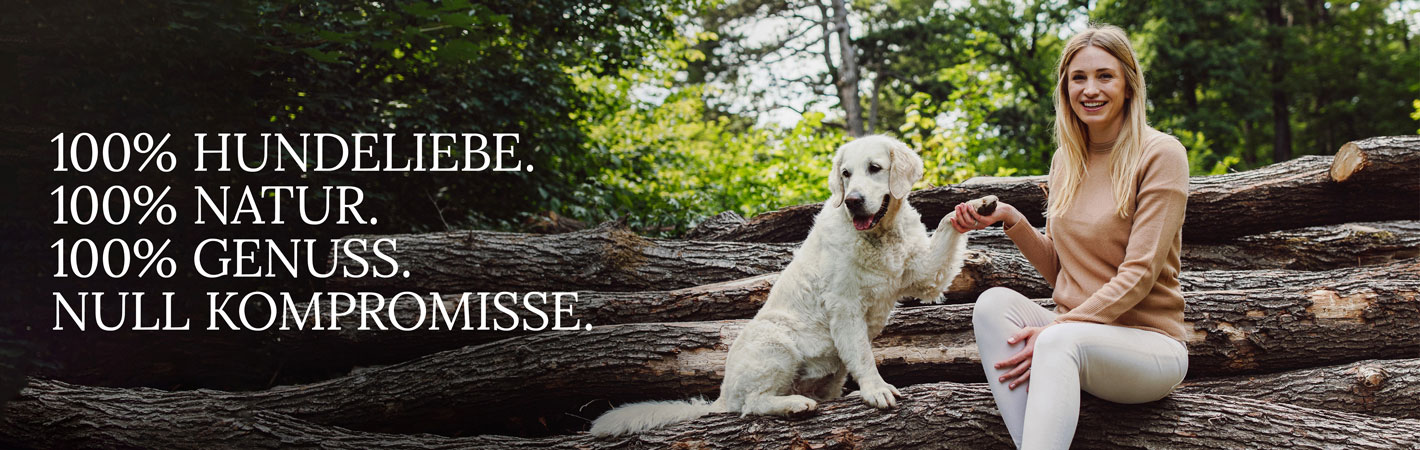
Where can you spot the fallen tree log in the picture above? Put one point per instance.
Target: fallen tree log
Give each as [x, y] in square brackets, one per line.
[56, 415]
[1290, 194]
[596, 260]
[304, 356]
[712, 227]
[607, 258]
[1312, 248]
[1379, 160]
[1360, 313]
[1322, 247]
[610, 258]
[737, 299]
[285, 357]
[1377, 387]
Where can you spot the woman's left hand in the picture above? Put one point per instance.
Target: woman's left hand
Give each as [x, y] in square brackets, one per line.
[1022, 360]
[966, 218]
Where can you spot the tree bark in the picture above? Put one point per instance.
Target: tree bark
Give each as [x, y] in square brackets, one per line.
[1383, 160]
[1290, 194]
[609, 258]
[1377, 387]
[311, 355]
[736, 299]
[252, 360]
[1312, 248]
[847, 71]
[1281, 98]
[57, 415]
[719, 223]
[606, 258]
[1293, 194]
[1351, 314]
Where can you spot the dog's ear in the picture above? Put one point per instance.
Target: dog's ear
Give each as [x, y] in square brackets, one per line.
[906, 170]
[835, 181]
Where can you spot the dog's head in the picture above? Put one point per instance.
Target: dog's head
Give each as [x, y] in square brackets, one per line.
[869, 175]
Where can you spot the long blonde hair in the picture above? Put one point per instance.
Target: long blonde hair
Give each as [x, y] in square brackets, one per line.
[1072, 134]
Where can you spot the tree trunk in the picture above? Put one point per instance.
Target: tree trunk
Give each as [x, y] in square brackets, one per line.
[610, 258]
[1351, 314]
[257, 360]
[875, 100]
[1311, 248]
[1291, 194]
[309, 355]
[606, 258]
[1378, 161]
[847, 71]
[736, 299]
[715, 225]
[56, 415]
[1281, 99]
[1377, 387]
[613, 259]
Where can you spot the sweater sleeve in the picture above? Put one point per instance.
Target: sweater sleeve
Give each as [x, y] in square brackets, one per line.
[1158, 220]
[1038, 248]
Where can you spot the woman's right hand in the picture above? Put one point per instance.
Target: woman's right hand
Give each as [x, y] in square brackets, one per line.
[966, 219]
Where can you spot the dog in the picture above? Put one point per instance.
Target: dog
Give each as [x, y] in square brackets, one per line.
[868, 248]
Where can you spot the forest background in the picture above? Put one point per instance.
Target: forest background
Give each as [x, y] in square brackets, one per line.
[665, 112]
[659, 113]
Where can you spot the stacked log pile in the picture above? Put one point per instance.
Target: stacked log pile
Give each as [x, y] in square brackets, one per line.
[1302, 281]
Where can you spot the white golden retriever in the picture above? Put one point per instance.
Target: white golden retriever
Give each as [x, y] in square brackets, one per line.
[868, 248]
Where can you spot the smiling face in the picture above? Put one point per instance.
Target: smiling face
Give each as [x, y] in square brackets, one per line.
[1098, 92]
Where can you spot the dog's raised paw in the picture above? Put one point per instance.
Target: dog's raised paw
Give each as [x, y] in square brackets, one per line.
[985, 205]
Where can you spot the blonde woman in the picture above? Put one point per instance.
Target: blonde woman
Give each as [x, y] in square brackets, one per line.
[1110, 251]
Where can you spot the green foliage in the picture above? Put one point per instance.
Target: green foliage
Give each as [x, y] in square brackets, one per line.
[456, 66]
[970, 86]
[671, 161]
[1201, 159]
[625, 114]
[943, 145]
[1416, 115]
[1222, 69]
[988, 65]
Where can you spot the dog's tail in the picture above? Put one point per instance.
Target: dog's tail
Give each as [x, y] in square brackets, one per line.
[638, 417]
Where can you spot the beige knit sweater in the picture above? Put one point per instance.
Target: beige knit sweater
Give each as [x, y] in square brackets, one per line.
[1112, 270]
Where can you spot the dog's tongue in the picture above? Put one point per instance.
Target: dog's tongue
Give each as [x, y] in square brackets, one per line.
[862, 223]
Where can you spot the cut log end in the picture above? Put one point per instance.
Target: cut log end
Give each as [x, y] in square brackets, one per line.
[1349, 160]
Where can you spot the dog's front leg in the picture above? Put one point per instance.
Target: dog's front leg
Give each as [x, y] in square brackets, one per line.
[932, 273]
[850, 337]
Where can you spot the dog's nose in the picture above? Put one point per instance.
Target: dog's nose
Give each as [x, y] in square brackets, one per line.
[854, 200]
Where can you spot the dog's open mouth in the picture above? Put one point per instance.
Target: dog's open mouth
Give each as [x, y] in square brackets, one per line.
[868, 222]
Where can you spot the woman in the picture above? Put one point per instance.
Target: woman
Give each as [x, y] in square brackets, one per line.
[1110, 250]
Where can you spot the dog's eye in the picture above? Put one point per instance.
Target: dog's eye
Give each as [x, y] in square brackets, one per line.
[874, 168]
[847, 174]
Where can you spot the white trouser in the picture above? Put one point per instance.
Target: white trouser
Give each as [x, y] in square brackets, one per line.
[1122, 365]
